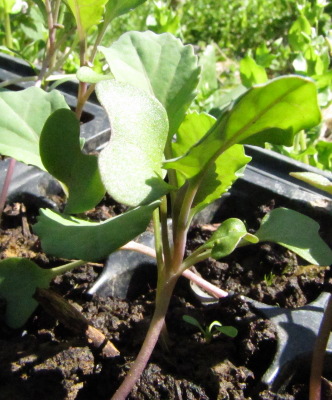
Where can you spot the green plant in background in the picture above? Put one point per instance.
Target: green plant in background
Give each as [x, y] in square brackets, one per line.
[209, 331]
[153, 81]
[308, 47]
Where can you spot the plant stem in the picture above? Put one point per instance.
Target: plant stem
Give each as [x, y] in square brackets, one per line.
[158, 240]
[18, 80]
[4, 190]
[207, 286]
[319, 352]
[67, 267]
[50, 48]
[164, 293]
[8, 30]
[164, 231]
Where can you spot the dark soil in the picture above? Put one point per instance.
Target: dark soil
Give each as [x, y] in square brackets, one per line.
[46, 360]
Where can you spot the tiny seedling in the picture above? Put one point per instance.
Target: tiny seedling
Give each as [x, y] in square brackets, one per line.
[214, 327]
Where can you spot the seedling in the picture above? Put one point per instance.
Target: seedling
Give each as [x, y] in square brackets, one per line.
[154, 78]
[214, 327]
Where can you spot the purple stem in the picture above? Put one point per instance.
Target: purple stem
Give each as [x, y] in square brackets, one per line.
[5, 187]
[319, 352]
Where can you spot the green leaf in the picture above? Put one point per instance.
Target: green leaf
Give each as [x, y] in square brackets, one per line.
[86, 74]
[220, 176]
[298, 34]
[296, 232]
[222, 173]
[87, 13]
[22, 117]
[208, 82]
[130, 165]
[315, 180]
[159, 64]
[227, 330]
[227, 237]
[115, 8]
[273, 112]
[72, 238]
[60, 151]
[193, 321]
[192, 129]
[19, 279]
[251, 73]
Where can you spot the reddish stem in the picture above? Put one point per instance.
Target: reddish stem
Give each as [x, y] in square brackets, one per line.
[163, 298]
[4, 191]
[319, 352]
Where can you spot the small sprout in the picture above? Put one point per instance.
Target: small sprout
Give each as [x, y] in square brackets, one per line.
[269, 278]
[211, 329]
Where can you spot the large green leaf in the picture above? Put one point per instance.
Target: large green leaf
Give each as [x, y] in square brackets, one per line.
[19, 279]
[61, 155]
[160, 65]
[87, 13]
[227, 237]
[22, 117]
[115, 8]
[273, 112]
[296, 232]
[130, 165]
[72, 238]
[222, 173]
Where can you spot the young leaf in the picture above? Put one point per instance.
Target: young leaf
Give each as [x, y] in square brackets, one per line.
[19, 278]
[227, 330]
[193, 321]
[115, 8]
[20, 131]
[227, 237]
[86, 74]
[159, 64]
[296, 232]
[87, 13]
[130, 165]
[61, 155]
[316, 180]
[72, 238]
[251, 73]
[220, 176]
[273, 112]
[222, 173]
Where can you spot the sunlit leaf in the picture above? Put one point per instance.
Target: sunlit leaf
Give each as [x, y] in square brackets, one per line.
[115, 8]
[86, 74]
[22, 117]
[159, 64]
[227, 237]
[222, 173]
[296, 232]
[251, 73]
[61, 155]
[72, 238]
[315, 180]
[273, 112]
[87, 13]
[130, 165]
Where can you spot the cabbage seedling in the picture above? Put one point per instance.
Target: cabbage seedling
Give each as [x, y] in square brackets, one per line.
[154, 135]
[211, 329]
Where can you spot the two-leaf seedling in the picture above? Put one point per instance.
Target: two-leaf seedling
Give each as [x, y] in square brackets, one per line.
[211, 329]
